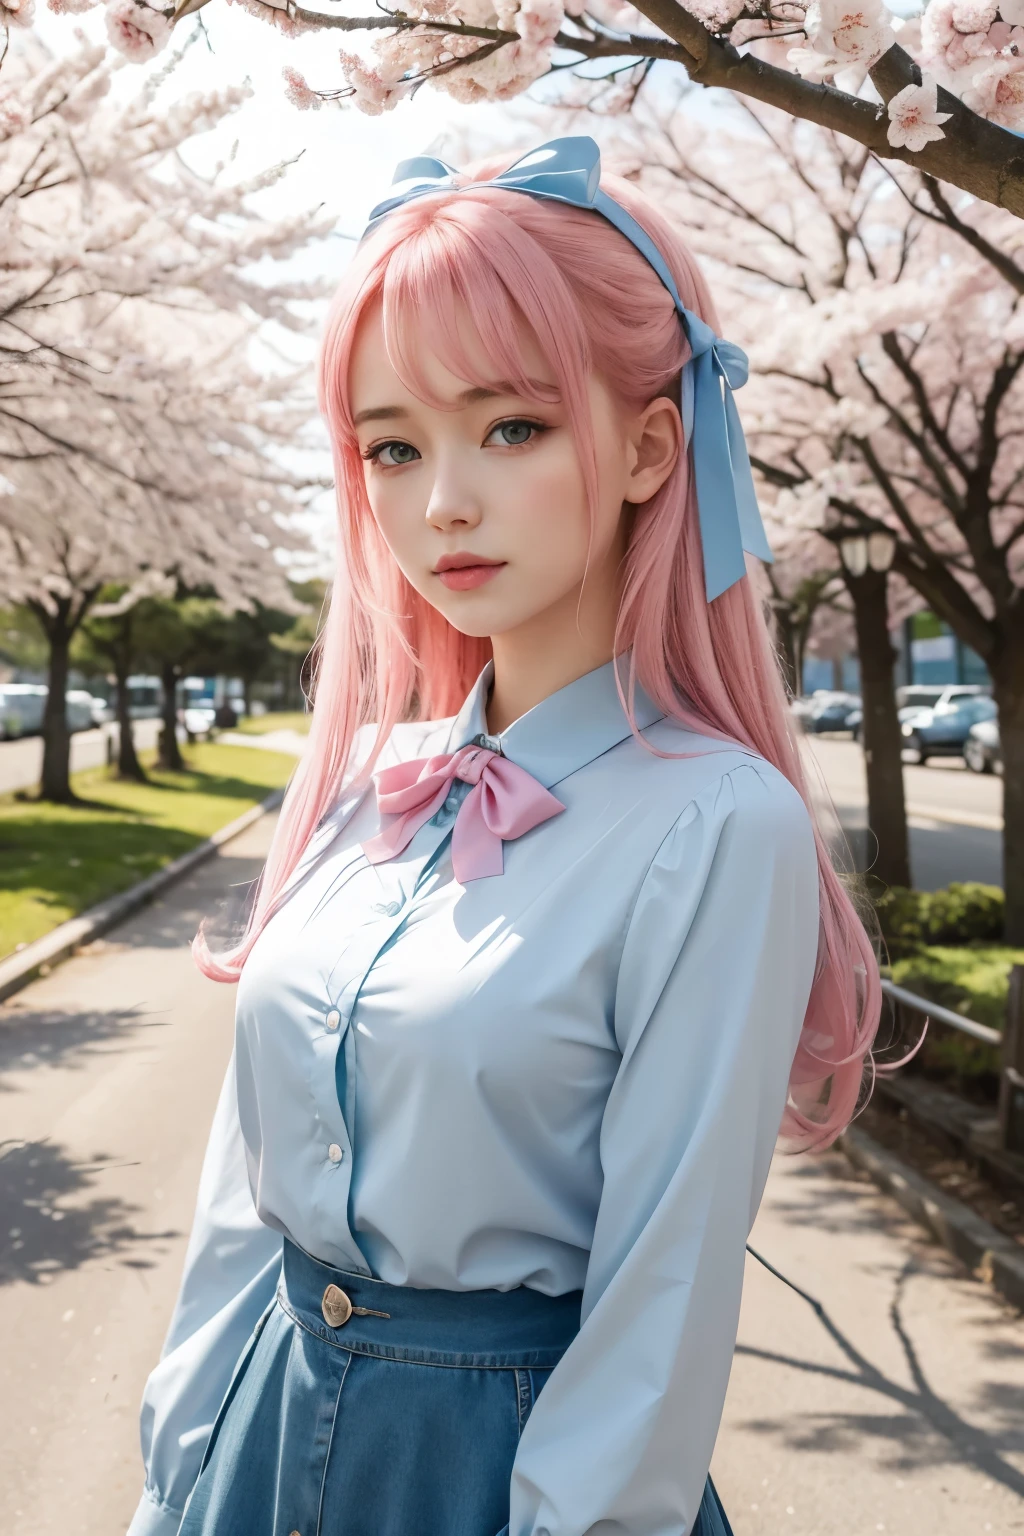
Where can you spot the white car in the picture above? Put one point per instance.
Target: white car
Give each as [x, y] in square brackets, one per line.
[21, 709]
[22, 706]
[79, 707]
[198, 720]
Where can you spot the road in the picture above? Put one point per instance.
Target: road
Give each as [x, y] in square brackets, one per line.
[21, 761]
[901, 1411]
[955, 816]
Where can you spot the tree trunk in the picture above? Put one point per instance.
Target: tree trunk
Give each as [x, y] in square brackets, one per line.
[1009, 695]
[170, 752]
[55, 783]
[247, 695]
[883, 741]
[128, 765]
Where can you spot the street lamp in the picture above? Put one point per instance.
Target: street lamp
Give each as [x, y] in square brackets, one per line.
[859, 551]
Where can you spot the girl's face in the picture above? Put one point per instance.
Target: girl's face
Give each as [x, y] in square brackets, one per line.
[483, 503]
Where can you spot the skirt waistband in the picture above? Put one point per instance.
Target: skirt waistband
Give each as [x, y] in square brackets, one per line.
[518, 1329]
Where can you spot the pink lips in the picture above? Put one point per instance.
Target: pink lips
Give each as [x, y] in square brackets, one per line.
[462, 571]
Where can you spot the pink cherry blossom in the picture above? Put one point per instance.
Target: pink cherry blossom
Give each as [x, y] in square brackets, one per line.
[539, 21]
[17, 13]
[841, 34]
[371, 92]
[997, 92]
[956, 33]
[718, 15]
[137, 31]
[914, 119]
[299, 93]
[14, 114]
[71, 7]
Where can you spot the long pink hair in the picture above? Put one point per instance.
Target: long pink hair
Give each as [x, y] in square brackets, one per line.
[385, 655]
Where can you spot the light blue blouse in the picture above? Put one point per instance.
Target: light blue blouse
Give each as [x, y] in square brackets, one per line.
[567, 1076]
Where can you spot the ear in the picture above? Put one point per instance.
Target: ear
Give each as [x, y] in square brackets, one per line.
[657, 440]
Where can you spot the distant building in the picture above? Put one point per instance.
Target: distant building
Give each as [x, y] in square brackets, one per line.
[927, 651]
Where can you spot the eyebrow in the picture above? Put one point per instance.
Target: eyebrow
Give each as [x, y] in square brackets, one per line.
[466, 397]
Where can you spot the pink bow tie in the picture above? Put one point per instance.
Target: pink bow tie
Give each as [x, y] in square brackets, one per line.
[505, 802]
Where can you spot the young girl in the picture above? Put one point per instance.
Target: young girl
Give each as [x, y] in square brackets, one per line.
[545, 931]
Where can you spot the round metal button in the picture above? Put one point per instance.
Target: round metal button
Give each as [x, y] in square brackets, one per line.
[333, 1019]
[335, 1153]
[336, 1307]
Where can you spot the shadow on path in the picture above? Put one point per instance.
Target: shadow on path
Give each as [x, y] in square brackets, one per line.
[49, 1221]
[51, 1037]
[916, 1414]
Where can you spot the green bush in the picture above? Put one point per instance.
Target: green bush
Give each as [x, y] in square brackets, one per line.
[969, 979]
[963, 913]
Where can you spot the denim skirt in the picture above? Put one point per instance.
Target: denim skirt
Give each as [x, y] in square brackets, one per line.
[364, 1409]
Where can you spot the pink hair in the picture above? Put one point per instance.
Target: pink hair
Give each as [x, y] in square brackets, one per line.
[593, 304]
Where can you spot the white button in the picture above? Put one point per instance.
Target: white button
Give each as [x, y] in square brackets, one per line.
[335, 1153]
[333, 1019]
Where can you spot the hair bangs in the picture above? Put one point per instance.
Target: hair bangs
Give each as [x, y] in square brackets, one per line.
[468, 289]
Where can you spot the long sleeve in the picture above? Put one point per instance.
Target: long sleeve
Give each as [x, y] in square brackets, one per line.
[715, 974]
[231, 1272]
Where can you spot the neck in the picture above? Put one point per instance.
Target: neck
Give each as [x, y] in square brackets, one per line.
[553, 650]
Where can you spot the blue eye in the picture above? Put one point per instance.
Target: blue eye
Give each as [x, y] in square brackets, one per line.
[401, 453]
[516, 432]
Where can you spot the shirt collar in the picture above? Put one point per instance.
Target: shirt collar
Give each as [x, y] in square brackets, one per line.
[563, 732]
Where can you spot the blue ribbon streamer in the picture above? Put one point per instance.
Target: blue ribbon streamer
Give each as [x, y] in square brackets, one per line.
[568, 170]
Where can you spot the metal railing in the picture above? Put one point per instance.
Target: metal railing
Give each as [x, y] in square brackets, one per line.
[942, 1015]
[1009, 1042]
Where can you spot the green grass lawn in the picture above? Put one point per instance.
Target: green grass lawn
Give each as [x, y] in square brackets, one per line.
[56, 860]
[287, 720]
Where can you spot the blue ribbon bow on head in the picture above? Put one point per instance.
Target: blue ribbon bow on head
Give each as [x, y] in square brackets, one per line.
[569, 171]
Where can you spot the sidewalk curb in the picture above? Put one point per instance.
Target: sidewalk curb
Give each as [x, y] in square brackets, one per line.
[969, 1237]
[37, 958]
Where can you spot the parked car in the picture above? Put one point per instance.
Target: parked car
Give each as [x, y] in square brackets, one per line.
[102, 710]
[198, 720]
[942, 730]
[932, 695]
[21, 709]
[80, 705]
[983, 751]
[22, 706]
[830, 711]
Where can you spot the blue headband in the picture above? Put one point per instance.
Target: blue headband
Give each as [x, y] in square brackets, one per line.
[569, 171]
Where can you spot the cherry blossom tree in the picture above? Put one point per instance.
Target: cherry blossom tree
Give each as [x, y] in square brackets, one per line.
[884, 317]
[942, 93]
[141, 443]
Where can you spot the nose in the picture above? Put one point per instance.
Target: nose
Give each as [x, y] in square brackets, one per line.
[453, 503]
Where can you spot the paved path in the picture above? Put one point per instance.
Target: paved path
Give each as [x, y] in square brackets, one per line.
[21, 761]
[901, 1411]
[955, 816]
